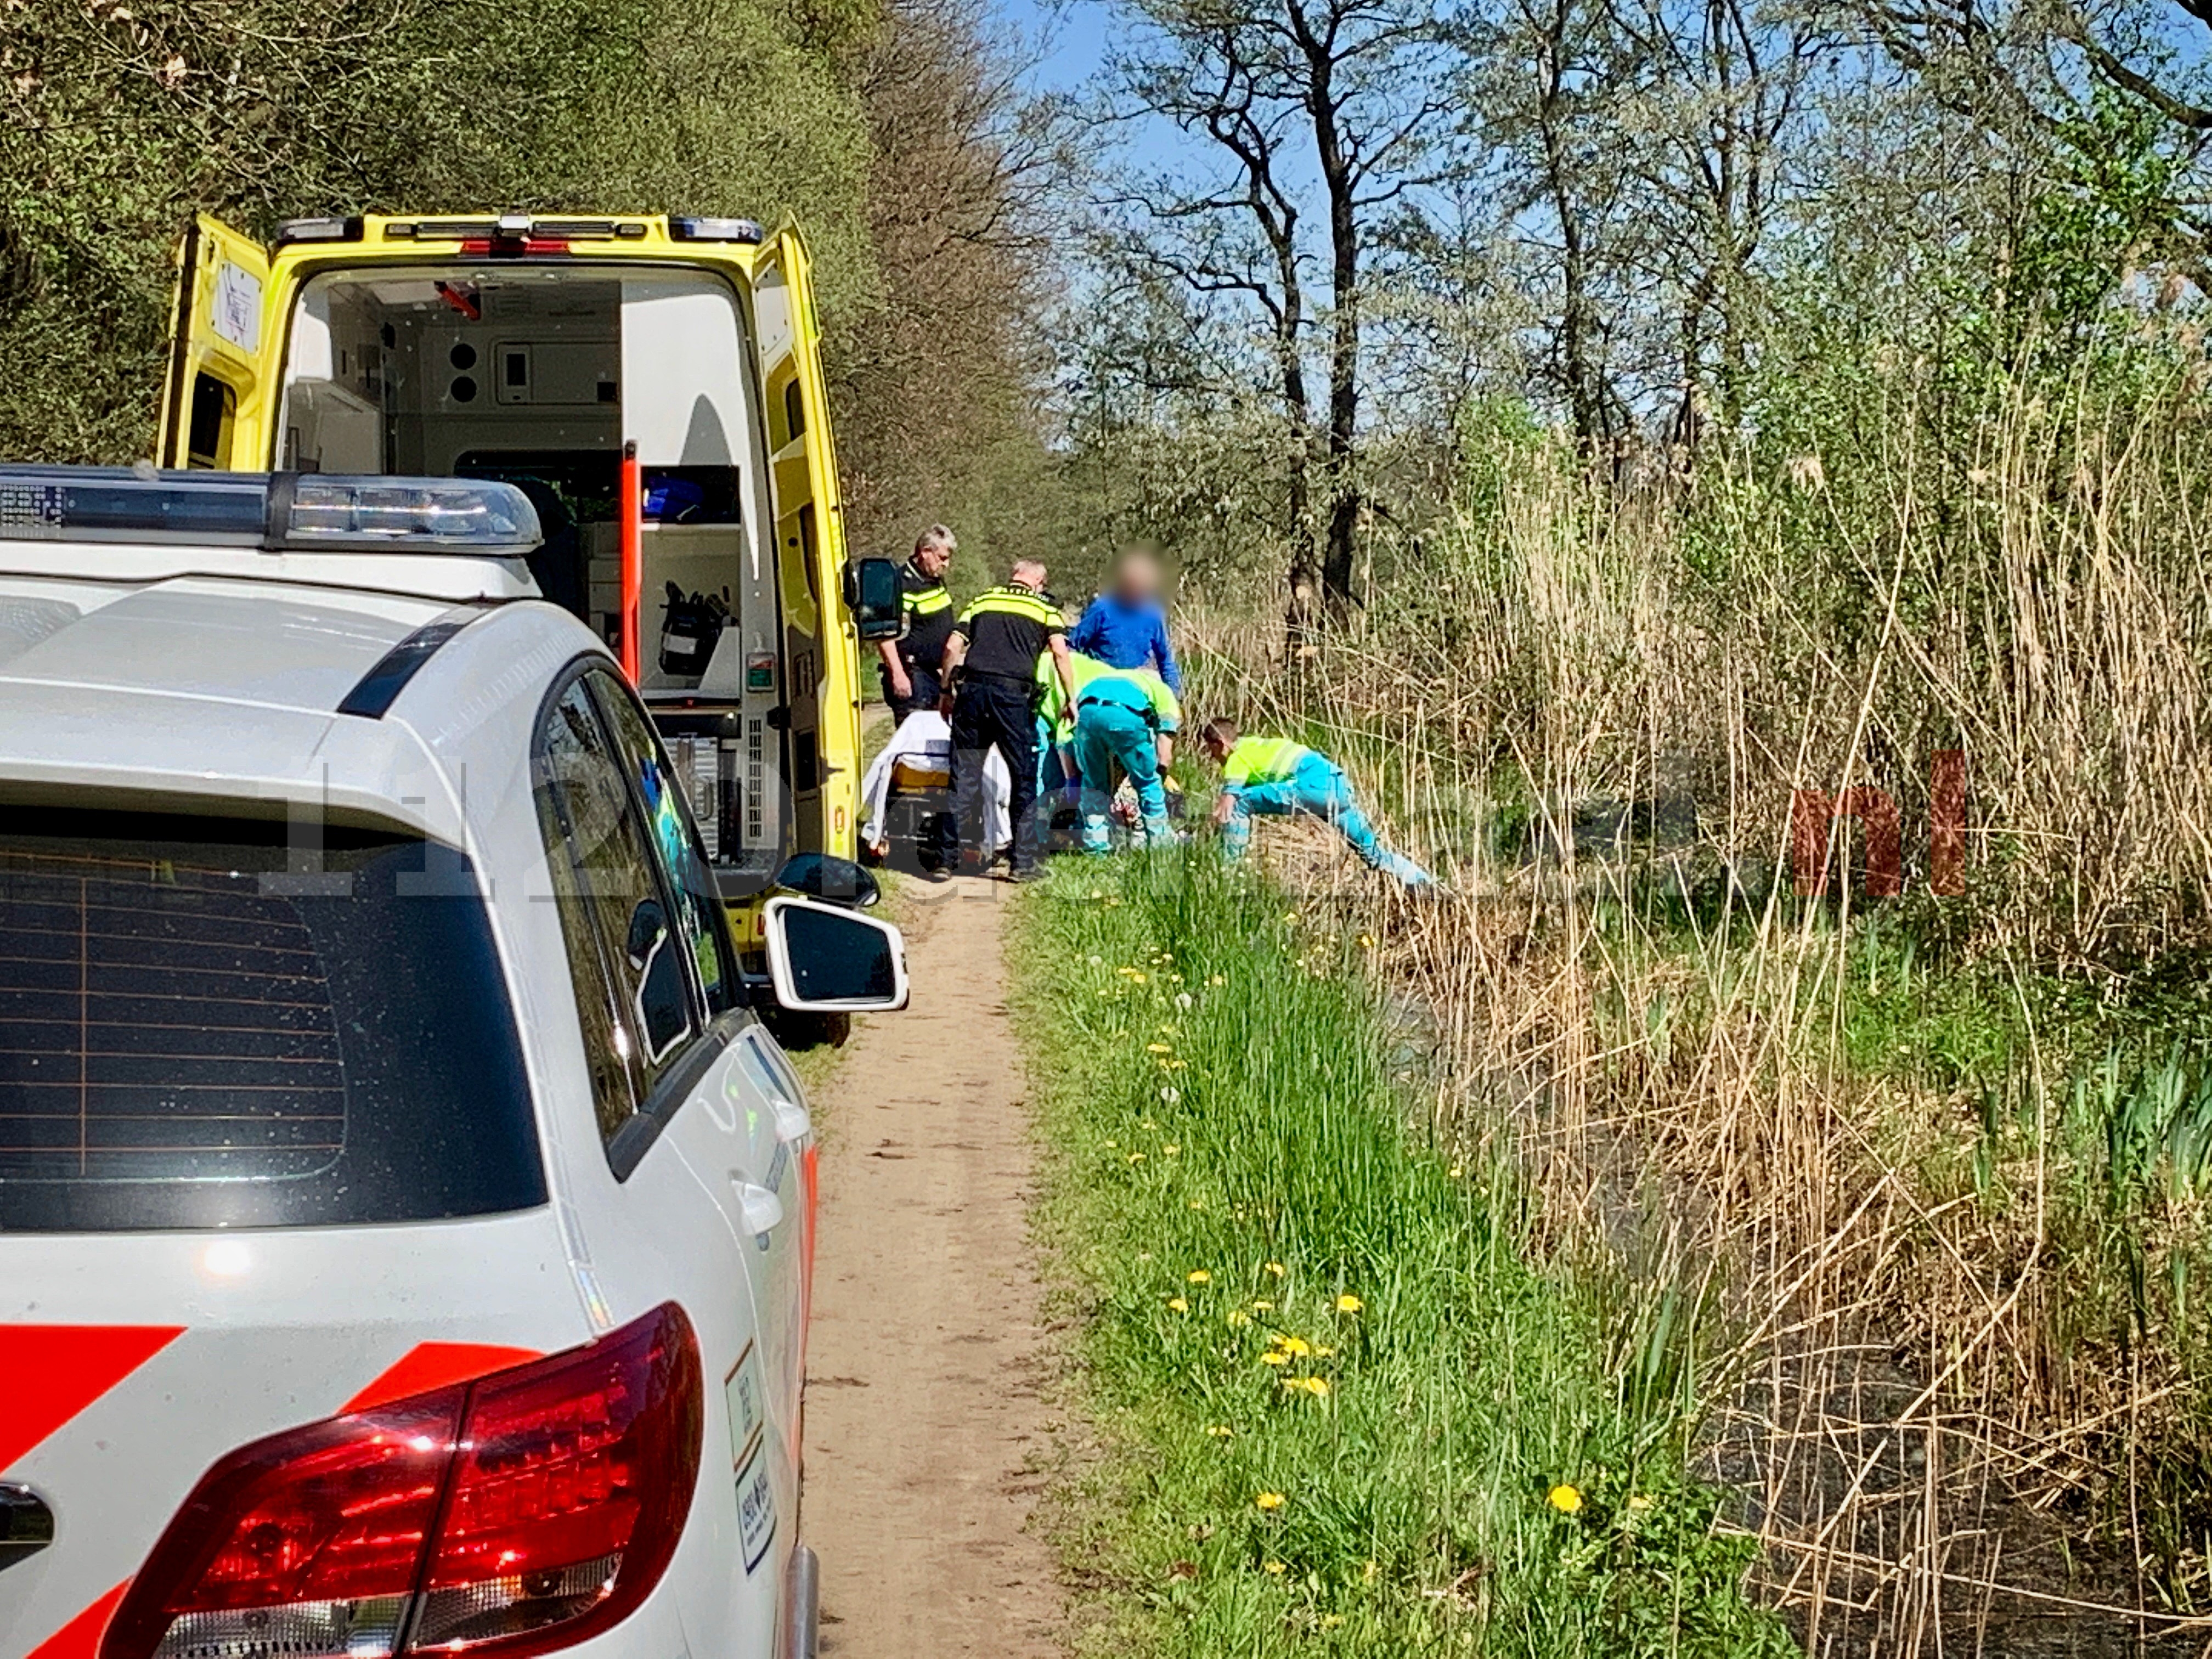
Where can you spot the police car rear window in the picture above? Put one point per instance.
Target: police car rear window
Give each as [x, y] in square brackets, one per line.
[211, 1022]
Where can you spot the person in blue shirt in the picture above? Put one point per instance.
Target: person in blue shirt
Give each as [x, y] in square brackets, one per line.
[1127, 627]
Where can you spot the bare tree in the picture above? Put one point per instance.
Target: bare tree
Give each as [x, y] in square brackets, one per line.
[1545, 82]
[936, 382]
[1319, 116]
[1720, 85]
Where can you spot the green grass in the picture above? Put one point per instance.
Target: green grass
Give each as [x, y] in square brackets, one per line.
[1230, 1178]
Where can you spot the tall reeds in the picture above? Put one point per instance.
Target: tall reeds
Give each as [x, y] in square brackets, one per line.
[1922, 1172]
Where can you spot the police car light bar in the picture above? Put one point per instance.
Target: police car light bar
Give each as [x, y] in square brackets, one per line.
[276, 511]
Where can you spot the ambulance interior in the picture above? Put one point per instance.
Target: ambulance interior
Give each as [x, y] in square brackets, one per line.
[519, 375]
[536, 376]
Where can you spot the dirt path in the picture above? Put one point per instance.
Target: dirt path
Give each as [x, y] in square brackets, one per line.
[924, 1425]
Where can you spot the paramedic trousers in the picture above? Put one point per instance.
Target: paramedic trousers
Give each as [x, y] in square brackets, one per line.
[1110, 734]
[1318, 789]
[926, 691]
[991, 713]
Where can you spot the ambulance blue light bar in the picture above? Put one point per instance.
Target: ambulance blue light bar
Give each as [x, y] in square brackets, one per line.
[276, 511]
[687, 229]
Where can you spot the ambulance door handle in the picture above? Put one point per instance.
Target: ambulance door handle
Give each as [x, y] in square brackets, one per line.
[763, 1210]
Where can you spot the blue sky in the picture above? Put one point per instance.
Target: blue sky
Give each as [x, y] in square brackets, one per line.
[1076, 29]
[1076, 33]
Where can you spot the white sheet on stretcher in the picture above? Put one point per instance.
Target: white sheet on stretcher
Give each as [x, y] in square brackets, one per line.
[924, 741]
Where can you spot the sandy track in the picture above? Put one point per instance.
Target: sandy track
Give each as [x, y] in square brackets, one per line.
[926, 1433]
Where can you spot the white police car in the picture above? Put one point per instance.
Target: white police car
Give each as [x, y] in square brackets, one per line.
[405, 1216]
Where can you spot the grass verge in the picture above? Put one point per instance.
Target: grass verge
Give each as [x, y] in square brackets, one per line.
[1346, 1406]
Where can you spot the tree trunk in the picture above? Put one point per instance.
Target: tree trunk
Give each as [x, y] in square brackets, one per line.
[1339, 176]
[1577, 318]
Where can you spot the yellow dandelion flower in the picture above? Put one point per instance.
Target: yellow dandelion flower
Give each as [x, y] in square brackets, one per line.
[1157, 1049]
[1566, 1499]
[1293, 1345]
[1349, 1304]
[1198, 1276]
[1197, 1203]
[1331, 1620]
[1274, 1357]
[1269, 1500]
[1322, 1350]
[1367, 941]
[1275, 1567]
[1457, 1170]
[1263, 1307]
[1238, 1319]
[1178, 1304]
[1216, 979]
[1315, 1385]
[1170, 1150]
[1220, 1431]
[1277, 1268]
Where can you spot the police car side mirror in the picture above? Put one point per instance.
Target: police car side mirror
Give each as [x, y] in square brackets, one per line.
[823, 957]
[872, 594]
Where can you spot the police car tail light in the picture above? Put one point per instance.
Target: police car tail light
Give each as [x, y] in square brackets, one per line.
[512, 1517]
[572, 1482]
[309, 1542]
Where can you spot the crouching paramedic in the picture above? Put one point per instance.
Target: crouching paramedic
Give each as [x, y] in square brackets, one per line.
[990, 674]
[1124, 719]
[1273, 777]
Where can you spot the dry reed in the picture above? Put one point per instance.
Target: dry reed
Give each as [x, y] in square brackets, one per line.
[1913, 1366]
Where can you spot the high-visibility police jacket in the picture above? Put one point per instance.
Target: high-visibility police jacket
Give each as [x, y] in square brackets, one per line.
[928, 608]
[1006, 629]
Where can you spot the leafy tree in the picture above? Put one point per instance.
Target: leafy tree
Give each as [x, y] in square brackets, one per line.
[118, 120]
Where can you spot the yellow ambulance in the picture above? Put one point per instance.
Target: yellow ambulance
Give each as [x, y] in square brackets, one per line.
[653, 383]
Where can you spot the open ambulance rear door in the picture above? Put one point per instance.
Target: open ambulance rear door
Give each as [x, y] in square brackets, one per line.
[821, 648]
[215, 404]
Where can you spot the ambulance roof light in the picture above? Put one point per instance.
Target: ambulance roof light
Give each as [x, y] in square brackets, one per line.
[714, 230]
[317, 230]
[276, 511]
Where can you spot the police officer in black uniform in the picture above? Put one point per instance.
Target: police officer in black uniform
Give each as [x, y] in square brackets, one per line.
[911, 662]
[990, 670]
